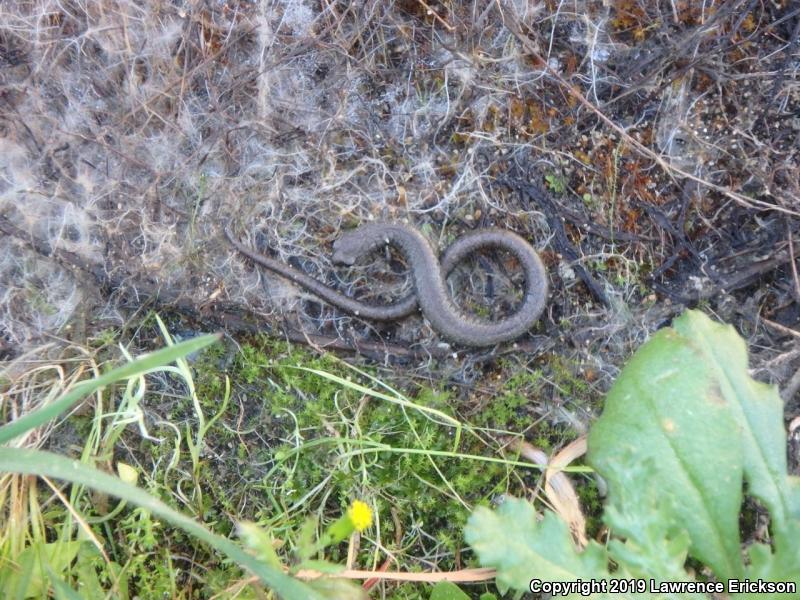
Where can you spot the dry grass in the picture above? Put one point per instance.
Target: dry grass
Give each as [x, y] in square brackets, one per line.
[665, 135]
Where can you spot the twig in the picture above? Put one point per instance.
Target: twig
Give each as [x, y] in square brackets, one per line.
[781, 76]
[532, 192]
[792, 260]
[792, 387]
[436, 16]
[781, 328]
[671, 170]
[580, 221]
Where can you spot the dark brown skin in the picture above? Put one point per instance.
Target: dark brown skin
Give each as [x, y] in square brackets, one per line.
[429, 280]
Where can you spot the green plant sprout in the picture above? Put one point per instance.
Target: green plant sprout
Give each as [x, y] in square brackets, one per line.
[556, 183]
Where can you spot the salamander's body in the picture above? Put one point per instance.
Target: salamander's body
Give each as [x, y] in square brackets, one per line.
[429, 280]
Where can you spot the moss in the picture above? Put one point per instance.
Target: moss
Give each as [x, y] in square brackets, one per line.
[293, 445]
[510, 409]
[314, 462]
[568, 378]
[591, 505]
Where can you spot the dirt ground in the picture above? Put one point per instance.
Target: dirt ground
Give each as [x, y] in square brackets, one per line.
[649, 150]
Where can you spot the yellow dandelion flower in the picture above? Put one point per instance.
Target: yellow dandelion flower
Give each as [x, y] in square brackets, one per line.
[360, 515]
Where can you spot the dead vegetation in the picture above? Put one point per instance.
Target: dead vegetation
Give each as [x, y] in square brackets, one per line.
[648, 149]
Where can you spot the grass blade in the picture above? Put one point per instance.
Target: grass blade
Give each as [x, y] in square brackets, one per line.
[37, 462]
[139, 366]
[441, 418]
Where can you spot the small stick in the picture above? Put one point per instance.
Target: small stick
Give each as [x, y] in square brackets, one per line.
[436, 16]
[792, 387]
[781, 328]
[671, 170]
[793, 263]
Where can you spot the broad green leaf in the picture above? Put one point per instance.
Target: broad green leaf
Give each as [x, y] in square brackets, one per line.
[511, 540]
[447, 590]
[652, 547]
[667, 408]
[46, 464]
[36, 563]
[86, 571]
[757, 409]
[781, 565]
[338, 589]
[323, 566]
[62, 591]
[683, 428]
[794, 496]
[260, 542]
[141, 365]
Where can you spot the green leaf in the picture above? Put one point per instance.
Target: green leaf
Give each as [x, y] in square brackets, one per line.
[653, 547]
[36, 563]
[37, 462]
[667, 408]
[683, 428]
[510, 540]
[260, 542]
[447, 590]
[61, 589]
[338, 589]
[323, 566]
[782, 565]
[305, 539]
[86, 569]
[140, 366]
[758, 411]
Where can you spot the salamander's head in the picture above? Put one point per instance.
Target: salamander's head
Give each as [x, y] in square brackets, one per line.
[358, 242]
[347, 249]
